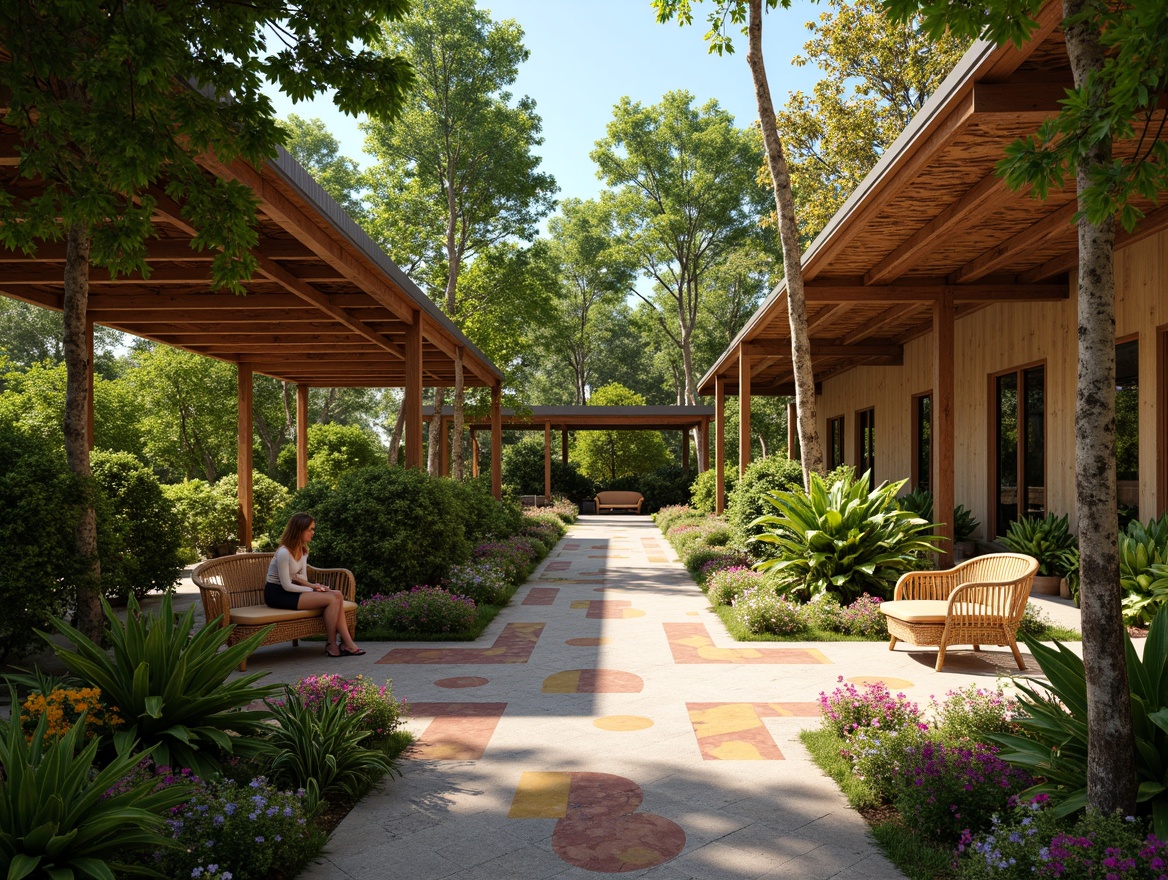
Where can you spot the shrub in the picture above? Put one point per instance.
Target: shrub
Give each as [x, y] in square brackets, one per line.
[675, 514]
[241, 830]
[763, 477]
[727, 584]
[383, 713]
[565, 510]
[694, 558]
[422, 610]
[1143, 569]
[720, 561]
[861, 618]
[879, 755]
[974, 713]
[59, 814]
[208, 519]
[514, 557]
[40, 502]
[480, 581]
[843, 539]
[760, 610]
[703, 492]
[173, 687]
[523, 470]
[268, 499]
[1048, 540]
[920, 502]
[484, 515]
[392, 527]
[64, 707]
[139, 537]
[848, 708]
[333, 451]
[1032, 841]
[665, 486]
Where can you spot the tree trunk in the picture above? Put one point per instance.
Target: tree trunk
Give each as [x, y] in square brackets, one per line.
[456, 458]
[395, 440]
[434, 457]
[89, 617]
[809, 440]
[1111, 767]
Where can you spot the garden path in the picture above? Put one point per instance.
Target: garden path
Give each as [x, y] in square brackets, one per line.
[605, 722]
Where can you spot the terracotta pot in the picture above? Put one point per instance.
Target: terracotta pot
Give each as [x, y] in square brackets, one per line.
[1064, 589]
[1046, 585]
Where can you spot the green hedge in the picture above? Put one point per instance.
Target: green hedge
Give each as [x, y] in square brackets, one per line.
[763, 477]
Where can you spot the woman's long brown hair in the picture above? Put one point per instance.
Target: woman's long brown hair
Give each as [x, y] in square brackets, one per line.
[293, 537]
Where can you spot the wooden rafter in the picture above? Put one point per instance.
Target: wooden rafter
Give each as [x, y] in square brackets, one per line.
[1052, 224]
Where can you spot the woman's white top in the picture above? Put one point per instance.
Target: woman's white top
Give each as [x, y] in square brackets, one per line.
[285, 567]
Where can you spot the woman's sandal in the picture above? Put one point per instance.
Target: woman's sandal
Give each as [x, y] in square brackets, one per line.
[340, 651]
[347, 653]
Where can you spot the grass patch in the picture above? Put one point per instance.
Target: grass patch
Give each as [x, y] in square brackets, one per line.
[484, 614]
[918, 857]
[742, 634]
[1051, 632]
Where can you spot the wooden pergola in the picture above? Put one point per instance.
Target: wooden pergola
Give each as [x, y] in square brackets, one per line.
[327, 307]
[931, 235]
[583, 418]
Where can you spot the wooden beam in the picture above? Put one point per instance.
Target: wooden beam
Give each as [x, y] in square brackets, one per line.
[826, 315]
[986, 195]
[719, 443]
[842, 291]
[413, 393]
[301, 436]
[547, 459]
[1031, 102]
[824, 349]
[944, 425]
[244, 455]
[743, 412]
[792, 430]
[564, 445]
[1059, 221]
[290, 321]
[497, 440]
[1154, 223]
[874, 326]
[161, 303]
[704, 447]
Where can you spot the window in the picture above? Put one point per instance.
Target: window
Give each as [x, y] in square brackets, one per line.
[865, 443]
[922, 452]
[835, 442]
[1019, 488]
[1127, 430]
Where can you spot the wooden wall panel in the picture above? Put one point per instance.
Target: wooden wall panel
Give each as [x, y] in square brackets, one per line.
[1000, 338]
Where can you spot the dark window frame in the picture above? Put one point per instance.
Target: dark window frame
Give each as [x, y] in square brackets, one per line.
[832, 463]
[917, 480]
[866, 460]
[995, 527]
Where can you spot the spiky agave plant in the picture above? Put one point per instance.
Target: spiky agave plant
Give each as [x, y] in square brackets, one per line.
[842, 539]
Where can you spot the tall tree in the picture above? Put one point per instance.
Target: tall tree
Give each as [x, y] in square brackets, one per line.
[684, 198]
[1117, 58]
[750, 12]
[100, 96]
[463, 151]
[318, 151]
[594, 276]
[876, 75]
[606, 455]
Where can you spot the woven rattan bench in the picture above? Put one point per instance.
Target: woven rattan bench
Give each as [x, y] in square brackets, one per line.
[232, 588]
[980, 602]
[618, 500]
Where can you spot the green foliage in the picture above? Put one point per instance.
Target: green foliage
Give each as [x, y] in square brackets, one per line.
[319, 746]
[173, 688]
[138, 533]
[704, 491]
[661, 487]
[606, 455]
[523, 472]
[761, 610]
[1048, 540]
[964, 524]
[58, 817]
[1143, 569]
[333, 450]
[920, 502]
[393, 528]
[40, 502]
[668, 517]
[843, 539]
[268, 499]
[485, 516]
[974, 713]
[748, 500]
[422, 610]
[315, 148]
[1053, 722]
[209, 520]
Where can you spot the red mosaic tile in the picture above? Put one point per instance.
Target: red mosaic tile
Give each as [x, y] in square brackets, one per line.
[462, 681]
[735, 731]
[514, 645]
[691, 643]
[558, 565]
[593, 681]
[541, 596]
[459, 731]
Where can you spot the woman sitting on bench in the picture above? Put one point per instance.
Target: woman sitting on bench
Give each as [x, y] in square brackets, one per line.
[287, 586]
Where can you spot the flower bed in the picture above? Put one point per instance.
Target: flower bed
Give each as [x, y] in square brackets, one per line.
[424, 609]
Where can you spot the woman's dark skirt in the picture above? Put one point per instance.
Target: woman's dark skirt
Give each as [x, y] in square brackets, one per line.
[275, 596]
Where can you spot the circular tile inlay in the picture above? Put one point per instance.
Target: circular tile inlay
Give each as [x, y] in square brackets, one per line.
[887, 682]
[623, 722]
[462, 681]
[588, 643]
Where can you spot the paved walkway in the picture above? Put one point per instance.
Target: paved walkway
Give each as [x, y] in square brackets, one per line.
[605, 722]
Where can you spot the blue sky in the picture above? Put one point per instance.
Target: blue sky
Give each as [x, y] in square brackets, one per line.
[587, 54]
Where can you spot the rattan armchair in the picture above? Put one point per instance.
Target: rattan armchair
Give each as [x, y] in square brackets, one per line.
[980, 602]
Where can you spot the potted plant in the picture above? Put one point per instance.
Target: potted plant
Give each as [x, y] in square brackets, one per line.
[1049, 540]
[964, 526]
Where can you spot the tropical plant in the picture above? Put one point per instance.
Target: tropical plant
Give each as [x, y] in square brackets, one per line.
[843, 539]
[747, 502]
[1047, 540]
[58, 815]
[383, 711]
[318, 746]
[964, 525]
[1053, 720]
[172, 686]
[1143, 569]
[920, 502]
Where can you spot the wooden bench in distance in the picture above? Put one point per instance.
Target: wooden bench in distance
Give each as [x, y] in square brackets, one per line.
[619, 500]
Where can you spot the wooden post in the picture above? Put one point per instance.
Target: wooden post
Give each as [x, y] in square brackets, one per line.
[92, 388]
[497, 441]
[547, 459]
[444, 445]
[743, 412]
[943, 424]
[720, 442]
[685, 450]
[243, 453]
[301, 436]
[413, 394]
[704, 450]
[564, 445]
[474, 453]
[792, 431]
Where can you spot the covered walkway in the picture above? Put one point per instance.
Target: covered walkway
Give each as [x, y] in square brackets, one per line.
[605, 722]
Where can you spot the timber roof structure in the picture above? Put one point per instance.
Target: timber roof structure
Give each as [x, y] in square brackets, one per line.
[593, 418]
[327, 307]
[933, 220]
